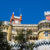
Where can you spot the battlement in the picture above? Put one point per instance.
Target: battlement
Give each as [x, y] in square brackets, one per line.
[46, 13]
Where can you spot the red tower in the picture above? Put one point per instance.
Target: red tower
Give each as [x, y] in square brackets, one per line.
[47, 14]
[16, 19]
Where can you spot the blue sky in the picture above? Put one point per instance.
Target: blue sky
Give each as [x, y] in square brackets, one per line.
[32, 10]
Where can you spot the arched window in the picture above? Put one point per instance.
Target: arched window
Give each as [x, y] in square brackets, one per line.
[33, 38]
[44, 26]
[36, 38]
[46, 33]
[30, 37]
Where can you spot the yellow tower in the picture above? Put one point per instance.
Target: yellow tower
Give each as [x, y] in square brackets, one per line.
[44, 30]
[44, 27]
[9, 33]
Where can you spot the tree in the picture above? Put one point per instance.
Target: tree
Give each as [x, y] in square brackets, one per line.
[29, 32]
[21, 37]
[3, 40]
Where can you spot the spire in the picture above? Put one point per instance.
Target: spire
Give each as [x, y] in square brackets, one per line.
[13, 13]
[21, 14]
[20, 17]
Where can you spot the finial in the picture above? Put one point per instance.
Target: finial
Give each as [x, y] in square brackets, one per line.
[13, 12]
[21, 14]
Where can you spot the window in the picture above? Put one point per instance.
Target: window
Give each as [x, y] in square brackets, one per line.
[12, 20]
[46, 33]
[31, 38]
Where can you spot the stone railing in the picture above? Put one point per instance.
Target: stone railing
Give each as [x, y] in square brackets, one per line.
[43, 29]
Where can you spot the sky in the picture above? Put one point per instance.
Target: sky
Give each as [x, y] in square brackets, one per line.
[32, 10]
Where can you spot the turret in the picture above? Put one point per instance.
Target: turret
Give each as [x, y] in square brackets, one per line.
[13, 15]
[47, 15]
[20, 17]
[44, 27]
[16, 19]
[9, 33]
[12, 18]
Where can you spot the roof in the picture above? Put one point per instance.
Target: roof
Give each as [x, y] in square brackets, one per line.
[17, 17]
[47, 13]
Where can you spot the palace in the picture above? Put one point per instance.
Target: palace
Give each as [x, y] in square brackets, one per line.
[13, 27]
[40, 31]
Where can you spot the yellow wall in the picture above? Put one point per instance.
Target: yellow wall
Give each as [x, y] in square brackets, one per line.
[9, 33]
[42, 36]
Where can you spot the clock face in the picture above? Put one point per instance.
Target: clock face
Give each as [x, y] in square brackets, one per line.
[46, 33]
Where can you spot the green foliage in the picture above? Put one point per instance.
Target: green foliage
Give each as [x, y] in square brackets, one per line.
[1, 23]
[3, 42]
[20, 37]
[29, 32]
[30, 46]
